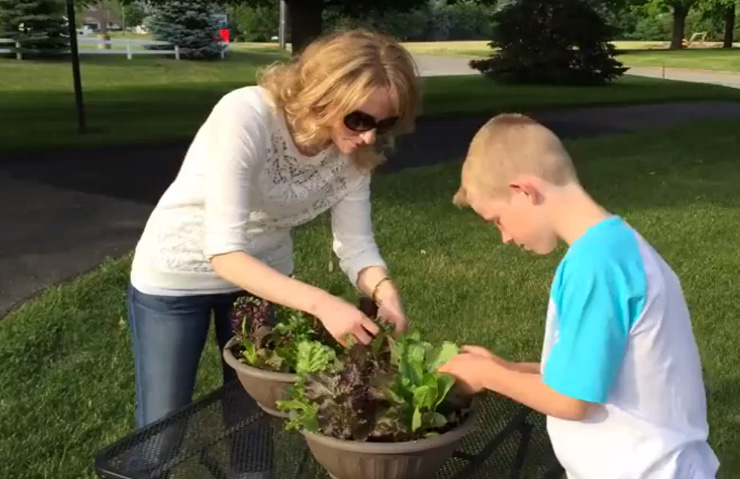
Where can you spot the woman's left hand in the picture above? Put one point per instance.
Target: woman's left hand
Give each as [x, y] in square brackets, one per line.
[377, 285]
[391, 310]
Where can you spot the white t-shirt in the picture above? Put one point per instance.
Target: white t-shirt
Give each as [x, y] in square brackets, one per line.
[618, 335]
[242, 187]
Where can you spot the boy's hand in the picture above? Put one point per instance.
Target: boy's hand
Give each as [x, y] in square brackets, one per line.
[469, 369]
[483, 352]
[527, 367]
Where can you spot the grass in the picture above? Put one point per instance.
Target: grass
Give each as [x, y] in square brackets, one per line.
[472, 48]
[66, 385]
[634, 54]
[155, 99]
[705, 59]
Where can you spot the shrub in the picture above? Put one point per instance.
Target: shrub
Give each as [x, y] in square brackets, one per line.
[551, 42]
[190, 24]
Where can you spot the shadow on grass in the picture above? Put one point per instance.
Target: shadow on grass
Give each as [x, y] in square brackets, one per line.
[673, 167]
[651, 169]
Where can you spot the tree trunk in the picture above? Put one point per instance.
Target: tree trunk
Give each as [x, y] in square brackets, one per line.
[305, 22]
[679, 25]
[729, 26]
[104, 23]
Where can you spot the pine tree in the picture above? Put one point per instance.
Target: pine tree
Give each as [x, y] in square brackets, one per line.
[551, 42]
[39, 25]
[189, 25]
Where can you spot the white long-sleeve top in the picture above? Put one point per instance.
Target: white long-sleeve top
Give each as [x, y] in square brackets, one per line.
[243, 186]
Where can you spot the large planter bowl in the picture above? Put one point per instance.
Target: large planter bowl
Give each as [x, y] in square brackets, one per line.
[401, 460]
[265, 387]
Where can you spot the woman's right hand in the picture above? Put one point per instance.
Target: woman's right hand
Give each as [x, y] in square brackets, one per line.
[341, 319]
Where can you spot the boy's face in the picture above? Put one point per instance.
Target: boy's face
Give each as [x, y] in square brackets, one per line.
[520, 218]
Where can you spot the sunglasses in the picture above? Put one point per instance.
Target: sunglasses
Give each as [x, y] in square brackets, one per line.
[359, 122]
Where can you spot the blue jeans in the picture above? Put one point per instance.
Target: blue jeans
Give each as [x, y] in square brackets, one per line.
[168, 334]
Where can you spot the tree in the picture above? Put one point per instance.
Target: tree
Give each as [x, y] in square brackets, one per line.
[39, 25]
[133, 14]
[679, 9]
[551, 42]
[680, 12]
[188, 24]
[721, 11]
[255, 24]
[729, 26]
[306, 15]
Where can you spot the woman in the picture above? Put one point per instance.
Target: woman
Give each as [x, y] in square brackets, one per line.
[267, 159]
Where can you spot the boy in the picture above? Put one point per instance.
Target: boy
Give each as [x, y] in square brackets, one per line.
[620, 379]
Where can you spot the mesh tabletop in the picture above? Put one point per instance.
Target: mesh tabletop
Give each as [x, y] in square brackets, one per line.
[225, 435]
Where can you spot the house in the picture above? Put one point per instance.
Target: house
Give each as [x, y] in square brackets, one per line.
[95, 16]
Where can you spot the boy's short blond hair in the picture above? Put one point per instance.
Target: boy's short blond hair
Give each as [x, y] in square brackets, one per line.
[507, 146]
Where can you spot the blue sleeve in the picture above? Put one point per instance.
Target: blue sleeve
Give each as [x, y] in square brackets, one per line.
[597, 300]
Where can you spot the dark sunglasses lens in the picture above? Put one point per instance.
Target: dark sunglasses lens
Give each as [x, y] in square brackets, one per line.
[386, 125]
[358, 121]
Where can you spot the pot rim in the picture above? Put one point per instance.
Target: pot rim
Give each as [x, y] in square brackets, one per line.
[239, 366]
[398, 448]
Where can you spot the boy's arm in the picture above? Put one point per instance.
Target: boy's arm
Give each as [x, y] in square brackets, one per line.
[527, 367]
[523, 367]
[475, 373]
[528, 389]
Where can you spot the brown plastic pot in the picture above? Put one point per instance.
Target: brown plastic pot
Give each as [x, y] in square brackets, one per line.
[420, 459]
[265, 387]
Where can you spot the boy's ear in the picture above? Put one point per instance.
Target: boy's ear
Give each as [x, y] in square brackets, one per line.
[528, 188]
[461, 198]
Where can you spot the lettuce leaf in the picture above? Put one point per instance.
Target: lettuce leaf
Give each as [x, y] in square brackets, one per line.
[388, 391]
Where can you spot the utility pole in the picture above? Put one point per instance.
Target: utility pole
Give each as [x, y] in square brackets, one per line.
[282, 31]
[72, 26]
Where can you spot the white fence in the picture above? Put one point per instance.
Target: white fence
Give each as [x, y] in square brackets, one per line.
[14, 49]
[110, 47]
[131, 47]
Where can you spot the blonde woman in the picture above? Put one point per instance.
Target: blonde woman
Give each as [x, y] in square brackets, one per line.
[267, 159]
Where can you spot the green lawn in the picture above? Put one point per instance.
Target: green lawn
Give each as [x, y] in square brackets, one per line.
[714, 59]
[471, 48]
[66, 385]
[635, 54]
[155, 99]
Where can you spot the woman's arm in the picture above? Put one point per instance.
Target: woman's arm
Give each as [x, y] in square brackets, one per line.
[359, 257]
[238, 140]
[261, 280]
[338, 316]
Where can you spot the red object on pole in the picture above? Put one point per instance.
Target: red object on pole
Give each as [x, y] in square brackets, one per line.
[225, 35]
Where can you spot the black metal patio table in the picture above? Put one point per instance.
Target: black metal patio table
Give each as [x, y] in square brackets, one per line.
[224, 435]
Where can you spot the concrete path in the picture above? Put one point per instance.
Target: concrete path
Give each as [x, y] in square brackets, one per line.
[51, 233]
[63, 213]
[440, 66]
[430, 66]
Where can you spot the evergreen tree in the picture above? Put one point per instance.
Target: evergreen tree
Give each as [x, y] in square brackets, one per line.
[551, 42]
[39, 25]
[188, 24]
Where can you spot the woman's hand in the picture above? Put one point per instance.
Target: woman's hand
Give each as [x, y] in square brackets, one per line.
[342, 319]
[391, 310]
[376, 283]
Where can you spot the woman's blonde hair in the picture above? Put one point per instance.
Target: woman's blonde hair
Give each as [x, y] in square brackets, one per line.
[334, 76]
